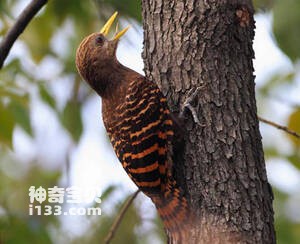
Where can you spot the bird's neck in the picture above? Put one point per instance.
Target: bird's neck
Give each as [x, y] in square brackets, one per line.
[118, 79]
[116, 89]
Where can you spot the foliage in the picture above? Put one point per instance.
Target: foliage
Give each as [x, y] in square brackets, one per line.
[286, 17]
[54, 35]
[20, 82]
[286, 27]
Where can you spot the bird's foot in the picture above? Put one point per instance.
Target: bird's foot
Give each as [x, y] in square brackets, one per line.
[192, 94]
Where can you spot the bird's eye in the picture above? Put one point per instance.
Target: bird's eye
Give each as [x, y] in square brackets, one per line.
[99, 40]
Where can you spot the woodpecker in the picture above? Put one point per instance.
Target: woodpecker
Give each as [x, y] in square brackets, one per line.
[138, 122]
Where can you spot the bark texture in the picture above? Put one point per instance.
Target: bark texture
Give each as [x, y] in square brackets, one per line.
[208, 44]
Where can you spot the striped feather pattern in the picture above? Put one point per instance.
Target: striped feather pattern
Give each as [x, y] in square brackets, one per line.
[141, 136]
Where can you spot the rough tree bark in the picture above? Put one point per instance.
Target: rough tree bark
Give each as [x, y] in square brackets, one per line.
[208, 44]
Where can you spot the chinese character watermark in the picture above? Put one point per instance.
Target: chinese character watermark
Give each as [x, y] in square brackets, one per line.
[56, 196]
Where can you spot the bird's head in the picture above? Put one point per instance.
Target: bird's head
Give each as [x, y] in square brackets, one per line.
[96, 56]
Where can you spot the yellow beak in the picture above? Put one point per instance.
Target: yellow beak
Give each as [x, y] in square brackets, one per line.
[108, 24]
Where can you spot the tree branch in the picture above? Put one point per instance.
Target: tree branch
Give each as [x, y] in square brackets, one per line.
[23, 20]
[119, 218]
[280, 127]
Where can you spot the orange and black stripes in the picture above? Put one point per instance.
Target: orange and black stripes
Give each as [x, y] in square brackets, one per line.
[141, 138]
[139, 125]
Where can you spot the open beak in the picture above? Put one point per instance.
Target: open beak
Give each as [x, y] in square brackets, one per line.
[108, 24]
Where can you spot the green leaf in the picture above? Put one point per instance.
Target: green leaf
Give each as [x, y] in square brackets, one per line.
[271, 152]
[263, 4]
[71, 119]
[38, 34]
[80, 10]
[294, 124]
[7, 124]
[47, 97]
[18, 229]
[286, 27]
[277, 80]
[13, 95]
[294, 159]
[287, 231]
[132, 9]
[107, 192]
[21, 115]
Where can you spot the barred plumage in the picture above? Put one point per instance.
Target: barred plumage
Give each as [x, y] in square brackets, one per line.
[141, 134]
[139, 125]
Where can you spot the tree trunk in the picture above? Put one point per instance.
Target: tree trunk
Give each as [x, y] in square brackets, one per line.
[208, 44]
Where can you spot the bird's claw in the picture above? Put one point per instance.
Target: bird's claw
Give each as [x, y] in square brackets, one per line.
[192, 94]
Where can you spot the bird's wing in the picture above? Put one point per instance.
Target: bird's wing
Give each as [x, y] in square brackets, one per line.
[148, 128]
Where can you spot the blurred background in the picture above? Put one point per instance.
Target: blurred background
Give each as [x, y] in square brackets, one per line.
[51, 131]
